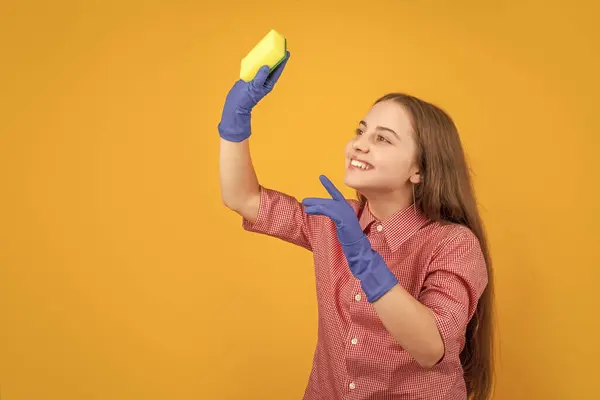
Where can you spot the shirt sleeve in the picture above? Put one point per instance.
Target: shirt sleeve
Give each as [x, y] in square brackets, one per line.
[456, 278]
[282, 216]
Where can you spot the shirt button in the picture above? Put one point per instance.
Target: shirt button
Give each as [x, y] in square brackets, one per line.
[379, 228]
[357, 297]
[352, 386]
[354, 340]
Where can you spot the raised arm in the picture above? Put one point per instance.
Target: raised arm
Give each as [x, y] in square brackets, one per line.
[240, 190]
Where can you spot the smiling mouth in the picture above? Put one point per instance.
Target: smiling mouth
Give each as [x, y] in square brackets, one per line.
[361, 165]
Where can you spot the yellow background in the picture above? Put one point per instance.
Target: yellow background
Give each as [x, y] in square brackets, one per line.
[124, 277]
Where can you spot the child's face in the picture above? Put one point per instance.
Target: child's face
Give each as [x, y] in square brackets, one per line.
[386, 145]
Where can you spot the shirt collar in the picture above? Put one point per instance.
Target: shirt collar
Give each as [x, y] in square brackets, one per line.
[398, 227]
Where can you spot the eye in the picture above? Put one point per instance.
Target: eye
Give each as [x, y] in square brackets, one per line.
[359, 131]
[383, 139]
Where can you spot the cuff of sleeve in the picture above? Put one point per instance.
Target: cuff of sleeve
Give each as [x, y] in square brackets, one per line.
[260, 224]
[446, 327]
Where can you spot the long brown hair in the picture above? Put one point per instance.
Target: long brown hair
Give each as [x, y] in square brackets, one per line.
[446, 194]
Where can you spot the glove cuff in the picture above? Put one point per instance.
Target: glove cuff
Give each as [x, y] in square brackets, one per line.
[235, 127]
[377, 280]
[370, 268]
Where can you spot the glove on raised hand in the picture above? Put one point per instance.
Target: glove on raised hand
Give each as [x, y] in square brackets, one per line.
[235, 123]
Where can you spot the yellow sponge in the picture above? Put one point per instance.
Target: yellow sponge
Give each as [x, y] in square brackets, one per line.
[269, 51]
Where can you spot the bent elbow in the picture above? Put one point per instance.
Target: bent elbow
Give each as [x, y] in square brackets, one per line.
[227, 203]
[232, 202]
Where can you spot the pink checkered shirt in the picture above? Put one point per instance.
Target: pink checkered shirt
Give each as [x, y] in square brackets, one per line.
[356, 357]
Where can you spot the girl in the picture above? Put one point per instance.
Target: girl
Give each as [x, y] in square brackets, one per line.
[403, 275]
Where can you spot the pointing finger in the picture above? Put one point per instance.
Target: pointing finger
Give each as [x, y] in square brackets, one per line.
[331, 189]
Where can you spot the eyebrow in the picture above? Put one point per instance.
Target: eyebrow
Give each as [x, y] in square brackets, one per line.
[381, 128]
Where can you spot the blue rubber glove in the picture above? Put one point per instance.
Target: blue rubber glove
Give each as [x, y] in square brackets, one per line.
[365, 263]
[242, 97]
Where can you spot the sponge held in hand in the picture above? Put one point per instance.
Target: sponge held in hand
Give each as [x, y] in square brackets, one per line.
[271, 51]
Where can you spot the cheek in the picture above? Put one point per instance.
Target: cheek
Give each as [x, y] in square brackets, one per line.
[395, 162]
[348, 148]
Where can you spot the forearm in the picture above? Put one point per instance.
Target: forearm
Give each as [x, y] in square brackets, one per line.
[412, 325]
[239, 184]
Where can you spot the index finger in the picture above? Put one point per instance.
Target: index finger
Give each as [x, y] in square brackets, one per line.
[331, 189]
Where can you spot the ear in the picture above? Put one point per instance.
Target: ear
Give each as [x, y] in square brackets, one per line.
[415, 178]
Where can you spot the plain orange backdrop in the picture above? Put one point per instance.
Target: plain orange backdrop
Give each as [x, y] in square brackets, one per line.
[122, 276]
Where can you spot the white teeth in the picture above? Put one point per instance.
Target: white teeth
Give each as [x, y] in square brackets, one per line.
[359, 164]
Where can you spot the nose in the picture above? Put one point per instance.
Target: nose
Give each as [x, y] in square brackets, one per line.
[361, 144]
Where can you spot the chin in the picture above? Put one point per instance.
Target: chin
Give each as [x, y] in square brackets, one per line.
[356, 182]
[368, 184]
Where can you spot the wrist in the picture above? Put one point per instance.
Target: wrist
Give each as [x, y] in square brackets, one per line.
[377, 280]
[370, 268]
[235, 127]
